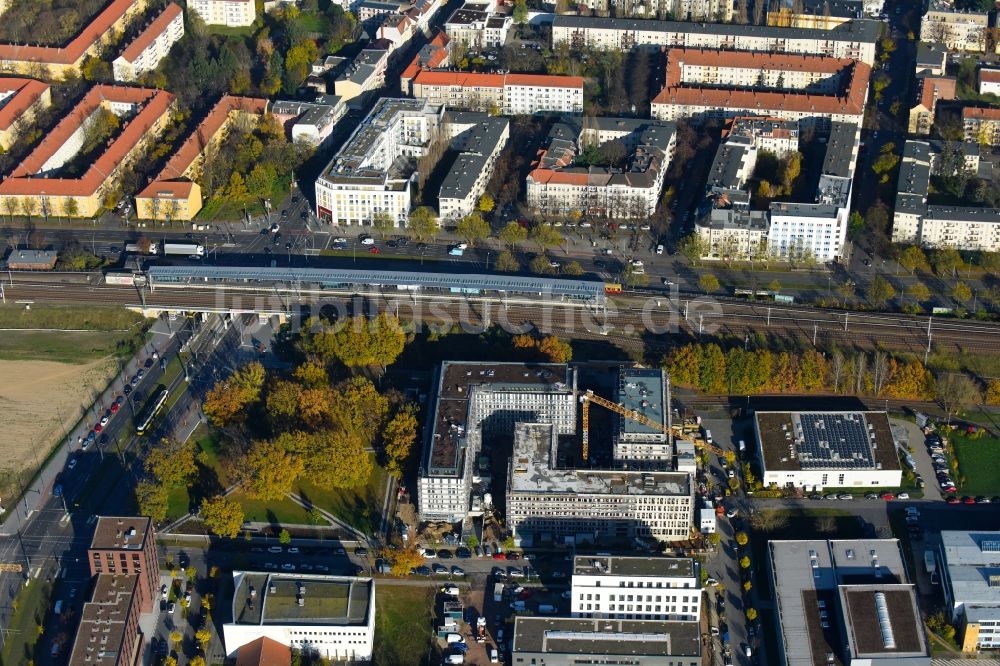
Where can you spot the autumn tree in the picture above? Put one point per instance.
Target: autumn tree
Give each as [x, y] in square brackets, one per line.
[546, 236]
[993, 392]
[223, 516]
[946, 261]
[203, 636]
[171, 462]
[356, 342]
[311, 375]
[507, 263]
[573, 269]
[880, 291]
[512, 234]
[397, 439]
[961, 292]
[913, 258]
[228, 399]
[423, 222]
[555, 350]
[271, 470]
[473, 228]
[742, 539]
[955, 393]
[402, 560]
[919, 292]
[152, 498]
[708, 283]
[486, 203]
[338, 460]
[382, 222]
[358, 406]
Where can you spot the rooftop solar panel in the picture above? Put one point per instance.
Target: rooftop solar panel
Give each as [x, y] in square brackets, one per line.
[833, 441]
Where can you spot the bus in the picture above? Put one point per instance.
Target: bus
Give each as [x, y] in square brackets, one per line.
[152, 408]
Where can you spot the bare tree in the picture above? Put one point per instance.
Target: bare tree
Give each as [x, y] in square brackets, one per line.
[838, 369]
[860, 369]
[880, 371]
[956, 392]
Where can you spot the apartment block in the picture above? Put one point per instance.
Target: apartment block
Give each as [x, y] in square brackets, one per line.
[309, 122]
[816, 14]
[715, 11]
[477, 26]
[556, 185]
[932, 59]
[636, 588]
[930, 91]
[152, 45]
[981, 125]
[21, 100]
[957, 30]
[714, 84]
[127, 545]
[368, 176]
[356, 79]
[39, 184]
[57, 62]
[477, 138]
[230, 13]
[109, 632]
[475, 403]
[433, 55]
[851, 40]
[175, 193]
[506, 94]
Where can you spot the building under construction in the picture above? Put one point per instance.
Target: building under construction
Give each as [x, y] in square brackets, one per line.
[560, 486]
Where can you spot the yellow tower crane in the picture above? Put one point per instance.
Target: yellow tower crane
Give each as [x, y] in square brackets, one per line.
[589, 396]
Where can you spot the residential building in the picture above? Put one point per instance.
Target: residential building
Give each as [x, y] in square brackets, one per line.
[396, 29]
[717, 11]
[175, 193]
[331, 616]
[52, 179]
[58, 62]
[852, 40]
[478, 27]
[419, 12]
[981, 125]
[916, 222]
[556, 641]
[930, 91]
[644, 391]
[230, 13]
[816, 14]
[477, 138]
[127, 545]
[845, 602]
[475, 403]
[309, 122]
[556, 185]
[969, 562]
[109, 633]
[151, 46]
[506, 94]
[31, 260]
[818, 450]
[21, 100]
[354, 81]
[989, 81]
[433, 55]
[931, 59]
[552, 500]
[636, 588]
[714, 84]
[957, 30]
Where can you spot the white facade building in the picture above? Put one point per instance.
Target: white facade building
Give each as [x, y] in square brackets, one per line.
[506, 94]
[636, 588]
[989, 81]
[366, 177]
[969, 562]
[478, 139]
[230, 13]
[332, 616]
[854, 39]
[818, 450]
[309, 122]
[958, 30]
[152, 45]
[478, 27]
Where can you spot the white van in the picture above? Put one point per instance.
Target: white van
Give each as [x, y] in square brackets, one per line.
[708, 435]
[454, 638]
[659, 249]
[455, 659]
[494, 656]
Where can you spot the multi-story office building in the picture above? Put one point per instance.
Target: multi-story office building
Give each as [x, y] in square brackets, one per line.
[475, 403]
[550, 500]
[957, 30]
[716, 84]
[969, 564]
[845, 602]
[644, 391]
[21, 100]
[556, 185]
[230, 13]
[821, 450]
[39, 184]
[58, 62]
[930, 91]
[507, 94]
[981, 125]
[555, 641]
[636, 588]
[853, 40]
[916, 222]
[175, 194]
[477, 138]
[367, 176]
[152, 45]
[331, 616]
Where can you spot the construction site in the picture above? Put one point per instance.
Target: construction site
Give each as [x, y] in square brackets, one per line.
[557, 454]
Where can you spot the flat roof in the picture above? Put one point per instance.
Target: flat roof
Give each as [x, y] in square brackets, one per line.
[826, 440]
[664, 567]
[273, 598]
[577, 636]
[120, 532]
[333, 278]
[101, 635]
[882, 621]
[532, 471]
[457, 381]
[972, 559]
[641, 390]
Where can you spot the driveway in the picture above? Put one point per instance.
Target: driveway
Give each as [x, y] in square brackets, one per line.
[921, 457]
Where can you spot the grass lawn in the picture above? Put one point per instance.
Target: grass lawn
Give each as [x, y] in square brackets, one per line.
[218, 208]
[32, 604]
[977, 463]
[358, 507]
[210, 479]
[403, 625]
[62, 346]
[285, 512]
[67, 318]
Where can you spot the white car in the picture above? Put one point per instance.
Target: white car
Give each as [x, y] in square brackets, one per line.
[367, 240]
[275, 227]
[636, 263]
[164, 591]
[903, 496]
[462, 246]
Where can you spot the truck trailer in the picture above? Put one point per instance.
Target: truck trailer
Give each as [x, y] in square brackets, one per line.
[188, 249]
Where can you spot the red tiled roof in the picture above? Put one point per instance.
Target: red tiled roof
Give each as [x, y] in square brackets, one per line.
[543, 81]
[23, 181]
[202, 135]
[152, 31]
[980, 113]
[438, 55]
[478, 80]
[70, 53]
[264, 652]
[944, 88]
[28, 92]
[989, 75]
[678, 92]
